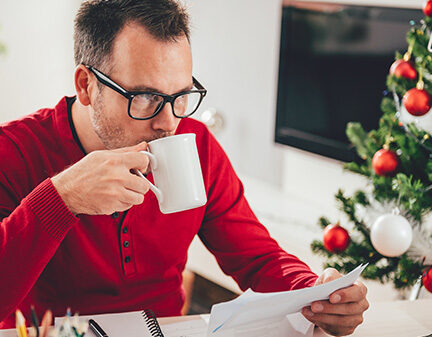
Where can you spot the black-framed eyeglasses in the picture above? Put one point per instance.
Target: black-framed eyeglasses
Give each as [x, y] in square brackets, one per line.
[146, 104]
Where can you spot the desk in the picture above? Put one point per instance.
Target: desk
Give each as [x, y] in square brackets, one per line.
[384, 319]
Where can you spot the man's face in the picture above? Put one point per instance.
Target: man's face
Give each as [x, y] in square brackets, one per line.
[140, 63]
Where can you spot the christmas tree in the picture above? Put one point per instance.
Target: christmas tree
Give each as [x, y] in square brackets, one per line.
[390, 220]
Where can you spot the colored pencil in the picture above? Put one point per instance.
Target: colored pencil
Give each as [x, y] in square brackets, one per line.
[45, 324]
[20, 324]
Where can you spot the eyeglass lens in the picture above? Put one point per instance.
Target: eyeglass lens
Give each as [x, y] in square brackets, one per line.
[146, 105]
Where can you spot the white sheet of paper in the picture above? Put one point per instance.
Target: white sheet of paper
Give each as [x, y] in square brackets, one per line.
[252, 307]
[191, 328]
[293, 325]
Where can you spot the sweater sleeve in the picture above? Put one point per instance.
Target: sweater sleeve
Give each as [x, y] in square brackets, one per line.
[31, 229]
[240, 243]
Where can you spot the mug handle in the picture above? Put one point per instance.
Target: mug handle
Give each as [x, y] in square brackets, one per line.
[153, 164]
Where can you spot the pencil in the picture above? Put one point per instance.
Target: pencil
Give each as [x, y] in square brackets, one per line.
[45, 324]
[20, 324]
[35, 320]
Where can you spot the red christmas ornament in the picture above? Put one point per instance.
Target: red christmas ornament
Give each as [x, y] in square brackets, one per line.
[405, 69]
[336, 238]
[427, 7]
[385, 162]
[427, 279]
[417, 101]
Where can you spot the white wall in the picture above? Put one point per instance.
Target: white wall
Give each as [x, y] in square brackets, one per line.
[235, 46]
[38, 67]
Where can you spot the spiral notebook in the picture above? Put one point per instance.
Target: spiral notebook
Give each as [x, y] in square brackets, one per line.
[130, 324]
[152, 323]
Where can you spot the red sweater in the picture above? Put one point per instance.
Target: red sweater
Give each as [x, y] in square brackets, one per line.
[124, 261]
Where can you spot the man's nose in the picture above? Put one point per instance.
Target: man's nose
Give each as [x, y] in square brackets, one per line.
[165, 119]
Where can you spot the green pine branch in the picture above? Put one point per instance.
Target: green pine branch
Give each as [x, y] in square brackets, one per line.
[413, 197]
[347, 205]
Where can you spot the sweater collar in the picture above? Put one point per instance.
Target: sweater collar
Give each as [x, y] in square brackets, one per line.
[66, 130]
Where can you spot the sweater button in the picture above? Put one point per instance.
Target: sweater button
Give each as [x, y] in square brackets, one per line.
[126, 244]
[125, 230]
[127, 259]
[115, 215]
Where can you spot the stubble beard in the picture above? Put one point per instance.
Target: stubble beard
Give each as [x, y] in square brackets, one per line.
[112, 135]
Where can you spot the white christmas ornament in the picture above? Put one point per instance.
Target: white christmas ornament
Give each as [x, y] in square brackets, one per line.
[391, 235]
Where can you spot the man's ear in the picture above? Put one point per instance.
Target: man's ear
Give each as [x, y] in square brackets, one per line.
[82, 84]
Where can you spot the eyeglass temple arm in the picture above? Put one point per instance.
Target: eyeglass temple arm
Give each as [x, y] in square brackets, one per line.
[108, 82]
[198, 84]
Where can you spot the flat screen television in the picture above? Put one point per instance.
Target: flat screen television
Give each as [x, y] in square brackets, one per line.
[333, 64]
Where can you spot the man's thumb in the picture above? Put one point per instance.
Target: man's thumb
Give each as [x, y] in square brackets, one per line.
[328, 275]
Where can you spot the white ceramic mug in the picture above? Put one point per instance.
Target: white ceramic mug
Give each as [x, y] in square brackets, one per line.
[175, 165]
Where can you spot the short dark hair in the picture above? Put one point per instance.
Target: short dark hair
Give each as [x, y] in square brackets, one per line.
[98, 22]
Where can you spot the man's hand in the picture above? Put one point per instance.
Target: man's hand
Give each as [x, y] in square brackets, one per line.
[102, 182]
[340, 315]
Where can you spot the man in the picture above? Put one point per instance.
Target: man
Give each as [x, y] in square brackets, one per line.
[79, 228]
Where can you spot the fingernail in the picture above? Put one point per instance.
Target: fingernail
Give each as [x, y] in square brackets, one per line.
[317, 307]
[336, 298]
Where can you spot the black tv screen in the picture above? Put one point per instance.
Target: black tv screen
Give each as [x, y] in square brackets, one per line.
[333, 64]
